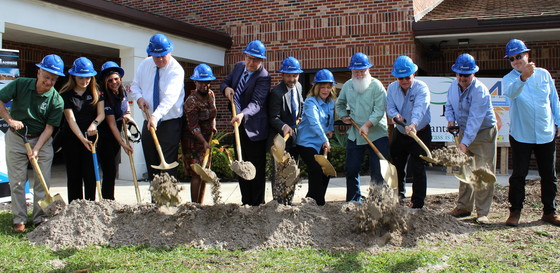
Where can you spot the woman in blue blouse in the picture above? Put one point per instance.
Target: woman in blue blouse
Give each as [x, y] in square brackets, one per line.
[317, 125]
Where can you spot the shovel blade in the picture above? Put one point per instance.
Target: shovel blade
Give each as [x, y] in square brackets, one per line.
[165, 166]
[279, 143]
[389, 173]
[206, 177]
[278, 155]
[327, 167]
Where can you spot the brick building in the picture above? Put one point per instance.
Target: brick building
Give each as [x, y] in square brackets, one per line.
[321, 34]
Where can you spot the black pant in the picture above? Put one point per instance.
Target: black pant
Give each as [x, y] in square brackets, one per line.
[169, 135]
[401, 147]
[545, 154]
[79, 169]
[252, 191]
[108, 151]
[317, 181]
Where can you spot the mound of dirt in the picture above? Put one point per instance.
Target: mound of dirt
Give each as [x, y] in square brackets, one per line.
[376, 222]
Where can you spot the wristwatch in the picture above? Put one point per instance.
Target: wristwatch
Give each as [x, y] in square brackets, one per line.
[95, 122]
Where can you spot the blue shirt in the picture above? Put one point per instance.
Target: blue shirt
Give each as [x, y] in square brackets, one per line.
[414, 107]
[534, 106]
[471, 109]
[316, 120]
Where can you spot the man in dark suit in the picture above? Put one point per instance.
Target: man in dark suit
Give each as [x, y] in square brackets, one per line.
[284, 109]
[248, 86]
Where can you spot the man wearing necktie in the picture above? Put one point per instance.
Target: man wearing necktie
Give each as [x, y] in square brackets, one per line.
[158, 88]
[284, 109]
[248, 86]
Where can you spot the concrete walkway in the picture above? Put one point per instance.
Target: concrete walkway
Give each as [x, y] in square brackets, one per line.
[438, 183]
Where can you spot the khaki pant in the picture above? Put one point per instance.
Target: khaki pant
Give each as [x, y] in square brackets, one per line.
[483, 148]
[17, 161]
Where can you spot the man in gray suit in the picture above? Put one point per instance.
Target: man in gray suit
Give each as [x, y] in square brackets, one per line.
[285, 104]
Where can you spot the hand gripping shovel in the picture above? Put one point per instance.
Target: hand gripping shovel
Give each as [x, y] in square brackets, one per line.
[48, 198]
[96, 165]
[388, 170]
[245, 170]
[205, 173]
[163, 165]
[131, 158]
[327, 167]
[428, 156]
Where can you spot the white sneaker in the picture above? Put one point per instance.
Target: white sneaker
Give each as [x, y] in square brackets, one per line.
[483, 220]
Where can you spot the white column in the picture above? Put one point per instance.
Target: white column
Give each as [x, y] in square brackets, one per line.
[130, 60]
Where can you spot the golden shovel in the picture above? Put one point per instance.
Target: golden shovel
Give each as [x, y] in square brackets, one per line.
[388, 170]
[48, 198]
[279, 147]
[466, 170]
[131, 158]
[327, 167]
[205, 173]
[428, 157]
[245, 170]
[163, 165]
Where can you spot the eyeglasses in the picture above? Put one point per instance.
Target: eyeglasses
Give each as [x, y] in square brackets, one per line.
[404, 78]
[517, 57]
[464, 75]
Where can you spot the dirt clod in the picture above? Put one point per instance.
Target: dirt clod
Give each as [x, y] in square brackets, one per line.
[165, 191]
[245, 170]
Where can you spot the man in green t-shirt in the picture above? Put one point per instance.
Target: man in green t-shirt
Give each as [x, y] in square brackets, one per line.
[37, 106]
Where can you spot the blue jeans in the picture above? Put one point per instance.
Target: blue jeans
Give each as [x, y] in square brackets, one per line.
[354, 158]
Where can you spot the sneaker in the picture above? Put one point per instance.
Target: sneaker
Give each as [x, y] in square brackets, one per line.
[513, 219]
[457, 213]
[483, 220]
[19, 228]
[551, 218]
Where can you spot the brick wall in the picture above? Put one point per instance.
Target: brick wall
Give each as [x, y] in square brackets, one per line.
[321, 34]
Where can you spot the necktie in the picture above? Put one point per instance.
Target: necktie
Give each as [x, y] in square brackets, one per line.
[156, 90]
[239, 90]
[295, 101]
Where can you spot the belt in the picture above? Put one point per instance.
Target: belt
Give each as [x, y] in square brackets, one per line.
[27, 136]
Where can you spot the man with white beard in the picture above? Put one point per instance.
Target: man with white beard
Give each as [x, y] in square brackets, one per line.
[363, 99]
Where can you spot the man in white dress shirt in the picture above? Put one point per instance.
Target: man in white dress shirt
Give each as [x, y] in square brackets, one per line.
[158, 88]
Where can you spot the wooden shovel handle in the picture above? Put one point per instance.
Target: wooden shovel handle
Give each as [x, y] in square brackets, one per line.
[415, 137]
[377, 152]
[207, 153]
[154, 135]
[236, 131]
[38, 170]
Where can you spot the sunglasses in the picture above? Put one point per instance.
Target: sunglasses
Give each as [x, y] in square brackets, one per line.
[464, 75]
[404, 78]
[518, 57]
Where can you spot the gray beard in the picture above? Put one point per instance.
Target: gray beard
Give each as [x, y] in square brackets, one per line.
[361, 85]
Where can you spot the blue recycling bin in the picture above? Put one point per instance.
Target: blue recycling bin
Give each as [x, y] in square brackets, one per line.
[5, 185]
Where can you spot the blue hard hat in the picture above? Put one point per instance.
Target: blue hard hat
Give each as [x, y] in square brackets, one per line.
[324, 75]
[203, 72]
[465, 64]
[111, 66]
[82, 67]
[256, 48]
[359, 61]
[159, 45]
[515, 47]
[403, 67]
[53, 64]
[290, 65]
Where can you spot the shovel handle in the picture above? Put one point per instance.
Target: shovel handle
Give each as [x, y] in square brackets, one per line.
[207, 153]
[154, 136]
[236, 131]
[454, 130]
[133, 169]
[37, 170]
[377, 152]
[415, 137]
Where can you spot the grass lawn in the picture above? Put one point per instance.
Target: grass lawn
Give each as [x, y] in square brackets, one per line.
[491, 249]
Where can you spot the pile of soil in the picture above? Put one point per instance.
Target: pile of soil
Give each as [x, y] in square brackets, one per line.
[377, 222]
